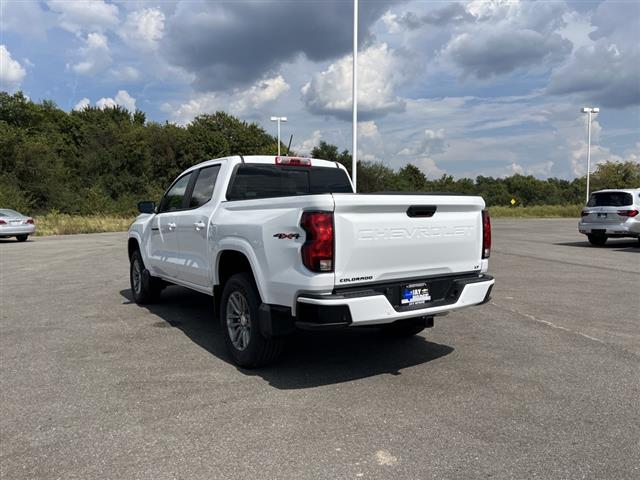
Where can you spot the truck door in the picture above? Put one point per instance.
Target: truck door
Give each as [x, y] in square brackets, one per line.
[163, 254]
[193, 228]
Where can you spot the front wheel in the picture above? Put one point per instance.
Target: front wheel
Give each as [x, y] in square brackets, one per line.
[145, 288]
[22, 238]
[597, 239]
[239, 313]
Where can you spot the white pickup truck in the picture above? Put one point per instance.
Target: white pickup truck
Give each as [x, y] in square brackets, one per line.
[284, 243]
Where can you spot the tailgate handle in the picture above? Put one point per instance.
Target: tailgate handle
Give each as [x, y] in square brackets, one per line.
[421, 210]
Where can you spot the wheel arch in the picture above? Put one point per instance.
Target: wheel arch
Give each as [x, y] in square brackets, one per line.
[132, 246]
[228, 263]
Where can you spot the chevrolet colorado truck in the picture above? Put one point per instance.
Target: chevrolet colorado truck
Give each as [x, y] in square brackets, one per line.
[284, 243]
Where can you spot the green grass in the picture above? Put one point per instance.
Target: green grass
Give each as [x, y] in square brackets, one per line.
[63, 224]
[537, 211]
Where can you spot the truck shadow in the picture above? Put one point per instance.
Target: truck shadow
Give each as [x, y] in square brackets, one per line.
[618, 245]
[310, 359]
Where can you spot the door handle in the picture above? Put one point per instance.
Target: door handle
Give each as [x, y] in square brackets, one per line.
[172, 226]
[198, 225]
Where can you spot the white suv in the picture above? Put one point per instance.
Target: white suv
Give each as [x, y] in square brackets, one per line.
[611, 213]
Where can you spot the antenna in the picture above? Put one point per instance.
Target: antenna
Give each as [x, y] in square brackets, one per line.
[289, 146]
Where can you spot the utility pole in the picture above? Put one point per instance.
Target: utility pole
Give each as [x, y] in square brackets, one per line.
[590, 111]
[354, 89]
[278, 119]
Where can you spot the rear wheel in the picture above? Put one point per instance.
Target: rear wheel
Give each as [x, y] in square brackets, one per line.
[22, 238]
[239, 307]
[597, 239]
[145, 288]
[405, 328]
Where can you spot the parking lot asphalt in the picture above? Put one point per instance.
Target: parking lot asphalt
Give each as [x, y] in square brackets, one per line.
[542, 382]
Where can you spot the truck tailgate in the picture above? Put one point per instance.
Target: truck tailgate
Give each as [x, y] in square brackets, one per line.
[388, 237]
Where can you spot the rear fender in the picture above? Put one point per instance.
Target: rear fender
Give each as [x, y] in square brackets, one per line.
[242, 246]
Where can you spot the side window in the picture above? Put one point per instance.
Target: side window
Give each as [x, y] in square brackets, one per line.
[203, 188]
[172, 200]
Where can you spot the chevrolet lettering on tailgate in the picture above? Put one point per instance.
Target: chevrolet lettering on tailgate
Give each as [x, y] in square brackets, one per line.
[413, 233]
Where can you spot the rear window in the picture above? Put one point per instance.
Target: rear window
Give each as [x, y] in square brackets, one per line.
[266, 181]
[203, 188]
[610, 199]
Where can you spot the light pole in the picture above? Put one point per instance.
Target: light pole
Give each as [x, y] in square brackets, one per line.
[354, 92]
[278, 119]
[591, 111]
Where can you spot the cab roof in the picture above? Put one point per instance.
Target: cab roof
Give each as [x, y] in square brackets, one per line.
[627, 190]
[265, 159]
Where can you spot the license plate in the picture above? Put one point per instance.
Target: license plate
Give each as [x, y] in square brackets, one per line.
[415, 294]
[602, 215]
[15, 222]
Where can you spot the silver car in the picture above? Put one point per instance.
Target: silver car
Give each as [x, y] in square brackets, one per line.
[14, 224]
[611, 213]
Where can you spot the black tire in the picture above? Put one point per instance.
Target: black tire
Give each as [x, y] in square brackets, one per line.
[597, 240]
[145, 288]
[404, 328]
[249, 348]
[22, 238]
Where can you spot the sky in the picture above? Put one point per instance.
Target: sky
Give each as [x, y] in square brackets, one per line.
[462, 88]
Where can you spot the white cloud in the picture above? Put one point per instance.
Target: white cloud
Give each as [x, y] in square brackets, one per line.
[308, 144]
[96, 53]
[368, 129]
[11, 72]
[420, 152]
[262, 92]
[390, 20]
[604, 73]
[198, 105]
[107, 102]
[82, 104]
[125, 74]
[25, 18]
[370, 145]
[380, 72]
[122, 99]
[143, 29]
[514, 169]
[428, 166]
[542, 169]
[85, 15]
[508, 36]
[429, 143]
[238, 102]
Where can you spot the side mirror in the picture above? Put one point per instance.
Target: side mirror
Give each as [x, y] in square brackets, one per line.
[147, 207]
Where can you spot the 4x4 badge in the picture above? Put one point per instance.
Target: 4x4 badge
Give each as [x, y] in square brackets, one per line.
[287, 236]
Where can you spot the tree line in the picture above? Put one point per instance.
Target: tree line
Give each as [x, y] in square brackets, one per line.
[95, 161]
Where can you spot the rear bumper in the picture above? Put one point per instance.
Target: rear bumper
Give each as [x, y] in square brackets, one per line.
[628, 228]
[13, 230]
[370, 307]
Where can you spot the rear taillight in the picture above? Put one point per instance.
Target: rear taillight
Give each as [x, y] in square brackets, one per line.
[584, 213]
[2, 222]
[317, 251]
[29, 221]
[628, 213]
[486, 234]
[293, 161]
